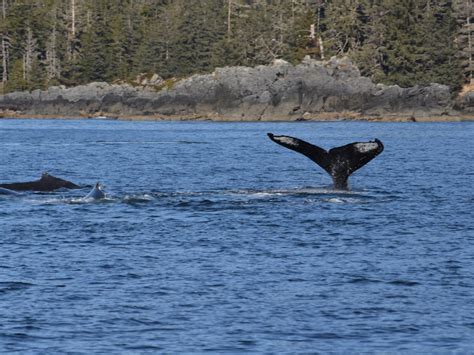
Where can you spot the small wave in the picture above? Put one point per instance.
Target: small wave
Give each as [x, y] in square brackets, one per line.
[302, 191]
[202, 198]
[73, 201]
[343, 200]
[201, 203]
[144, 347]
[177, 194]
[280, 192]
[304, 195]
[335, 200]
[190, 142]
[88, 200]
[146, 142]
[143, 198]
[363, 280]
[61, 200]
[9, 286]
[261, 194]
[403, 283]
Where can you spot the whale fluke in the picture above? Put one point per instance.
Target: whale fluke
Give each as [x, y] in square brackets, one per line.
[96, 193]
[339, 162]
[45, 183]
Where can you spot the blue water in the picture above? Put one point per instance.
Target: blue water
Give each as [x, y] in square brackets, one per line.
[215, 239]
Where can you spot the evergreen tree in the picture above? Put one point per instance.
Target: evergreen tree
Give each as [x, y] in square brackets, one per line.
[405, 42]
[96, 53]
[16, 80]
[464, 10]
[231, 49]
[418, 43]
[440, 61]
[345, 26]
[156, 38]
[302, 40]
[198, 31]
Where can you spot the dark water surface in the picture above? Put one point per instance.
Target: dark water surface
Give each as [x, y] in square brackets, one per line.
[214, 238]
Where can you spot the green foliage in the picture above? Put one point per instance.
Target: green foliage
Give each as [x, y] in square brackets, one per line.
[404, 42]
[50, 42]
[17, 82]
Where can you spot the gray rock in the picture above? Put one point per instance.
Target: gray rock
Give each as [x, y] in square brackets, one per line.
[277, 91]
[465, 103]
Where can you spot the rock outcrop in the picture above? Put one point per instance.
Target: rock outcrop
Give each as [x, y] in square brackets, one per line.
[276, 92]
[465, 103]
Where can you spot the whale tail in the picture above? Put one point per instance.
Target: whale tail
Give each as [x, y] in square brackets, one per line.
[339, 162]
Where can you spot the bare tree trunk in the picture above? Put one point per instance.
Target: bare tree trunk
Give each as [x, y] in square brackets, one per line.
[469, 38]
[320, 39]
[4, 61]
[312, 32]
[24, 67]
[72, 32]
[4, 47]
[229, 12]
[73, 18]
[321, 46]
[52, 62]
[30, 49]
[167, 42]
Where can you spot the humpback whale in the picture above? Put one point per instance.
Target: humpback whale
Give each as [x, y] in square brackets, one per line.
[45, 183]
[96, 193]
[339, 162]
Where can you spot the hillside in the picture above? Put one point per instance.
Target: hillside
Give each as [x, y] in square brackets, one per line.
[48, 43]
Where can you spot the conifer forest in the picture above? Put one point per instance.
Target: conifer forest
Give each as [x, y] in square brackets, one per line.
[72, 42]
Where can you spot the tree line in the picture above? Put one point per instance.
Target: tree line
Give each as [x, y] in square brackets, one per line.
[72, 42]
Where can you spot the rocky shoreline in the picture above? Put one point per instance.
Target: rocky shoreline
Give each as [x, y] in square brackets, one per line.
[350, 116]
[312, 90]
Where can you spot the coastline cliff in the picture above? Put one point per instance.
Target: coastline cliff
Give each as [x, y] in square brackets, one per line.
[315, 90]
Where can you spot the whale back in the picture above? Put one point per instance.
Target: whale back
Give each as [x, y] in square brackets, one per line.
[44, 184]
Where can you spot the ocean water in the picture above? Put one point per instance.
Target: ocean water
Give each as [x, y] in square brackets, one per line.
[215, 239]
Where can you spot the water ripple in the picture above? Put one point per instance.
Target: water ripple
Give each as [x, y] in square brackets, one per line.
[215, 239]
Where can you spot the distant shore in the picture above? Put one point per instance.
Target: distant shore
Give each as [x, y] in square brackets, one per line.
[324, 117]
[332, 90]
